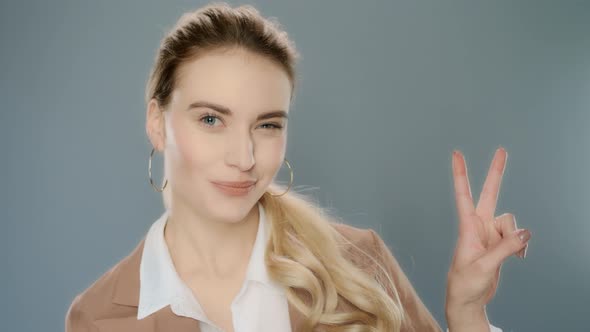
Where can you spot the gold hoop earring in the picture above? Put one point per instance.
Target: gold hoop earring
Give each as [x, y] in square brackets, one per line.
[290, 182]
[150, 173]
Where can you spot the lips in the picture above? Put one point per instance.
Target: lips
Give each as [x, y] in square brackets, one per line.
[232, 188]
[234, 184]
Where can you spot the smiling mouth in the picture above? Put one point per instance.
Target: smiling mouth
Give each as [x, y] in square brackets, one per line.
[234, 188]
[235, 184]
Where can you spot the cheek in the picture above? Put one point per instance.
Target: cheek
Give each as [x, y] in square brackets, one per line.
[270, 155]
[190, 148]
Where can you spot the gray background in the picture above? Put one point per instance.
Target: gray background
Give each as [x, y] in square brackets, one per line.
[387, 90]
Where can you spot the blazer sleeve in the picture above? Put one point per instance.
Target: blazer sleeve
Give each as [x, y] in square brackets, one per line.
[417, 317]
[77, 320]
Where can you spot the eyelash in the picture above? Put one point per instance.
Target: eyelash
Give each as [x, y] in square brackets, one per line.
[275, 126]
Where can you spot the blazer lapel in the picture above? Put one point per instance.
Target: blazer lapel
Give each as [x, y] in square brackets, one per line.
[161, 320]
[126, 290]
[126, 293]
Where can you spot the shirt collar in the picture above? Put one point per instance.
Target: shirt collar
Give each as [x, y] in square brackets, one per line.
[160, 284]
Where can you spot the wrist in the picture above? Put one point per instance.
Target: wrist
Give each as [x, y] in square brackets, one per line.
[473, 319]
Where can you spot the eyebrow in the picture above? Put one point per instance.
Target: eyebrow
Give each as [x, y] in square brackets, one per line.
[226, 111]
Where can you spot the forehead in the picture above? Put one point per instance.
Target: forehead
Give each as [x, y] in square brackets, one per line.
[238, 79]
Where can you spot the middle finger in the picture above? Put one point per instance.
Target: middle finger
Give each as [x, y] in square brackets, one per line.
[488, 198]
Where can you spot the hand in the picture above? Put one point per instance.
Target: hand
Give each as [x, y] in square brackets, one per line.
[484, 242]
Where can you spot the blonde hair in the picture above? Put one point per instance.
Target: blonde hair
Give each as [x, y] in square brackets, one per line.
[304, 252]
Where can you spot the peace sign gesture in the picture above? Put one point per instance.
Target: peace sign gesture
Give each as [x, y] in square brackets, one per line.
[483, 244]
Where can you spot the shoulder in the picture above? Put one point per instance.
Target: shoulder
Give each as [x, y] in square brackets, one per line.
[363, 246]
[366, 248]
[370, 242]
[378, 260]
[363, 237]
[96, 301]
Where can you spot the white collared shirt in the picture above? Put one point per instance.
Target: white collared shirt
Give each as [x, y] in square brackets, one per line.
[260, 306]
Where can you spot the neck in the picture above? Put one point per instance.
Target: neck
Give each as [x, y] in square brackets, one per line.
[202, 248]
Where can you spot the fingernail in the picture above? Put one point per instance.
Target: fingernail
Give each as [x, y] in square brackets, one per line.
[523, 234]
[522, 252]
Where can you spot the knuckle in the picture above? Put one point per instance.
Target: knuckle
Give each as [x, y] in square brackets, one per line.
[508, 216]
[507, 219]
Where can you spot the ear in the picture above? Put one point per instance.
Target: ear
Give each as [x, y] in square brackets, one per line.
[154, 125]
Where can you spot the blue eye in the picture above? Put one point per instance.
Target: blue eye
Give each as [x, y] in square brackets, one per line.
[272, 126]
[209, 120]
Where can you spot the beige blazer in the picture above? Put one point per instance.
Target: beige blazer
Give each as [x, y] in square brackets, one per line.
[110, 303]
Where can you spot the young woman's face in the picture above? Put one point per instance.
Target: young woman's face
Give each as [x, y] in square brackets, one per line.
[226, 123]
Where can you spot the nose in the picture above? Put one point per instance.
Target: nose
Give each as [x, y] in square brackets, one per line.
[240, 151]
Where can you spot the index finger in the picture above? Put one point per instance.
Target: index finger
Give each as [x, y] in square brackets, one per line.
[463, 198]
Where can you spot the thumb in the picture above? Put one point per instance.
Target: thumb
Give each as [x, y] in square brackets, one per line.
[506, 247]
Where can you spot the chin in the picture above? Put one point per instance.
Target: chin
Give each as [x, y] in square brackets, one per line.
[232, 210]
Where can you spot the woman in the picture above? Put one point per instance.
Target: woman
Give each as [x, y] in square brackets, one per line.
[235, 252]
